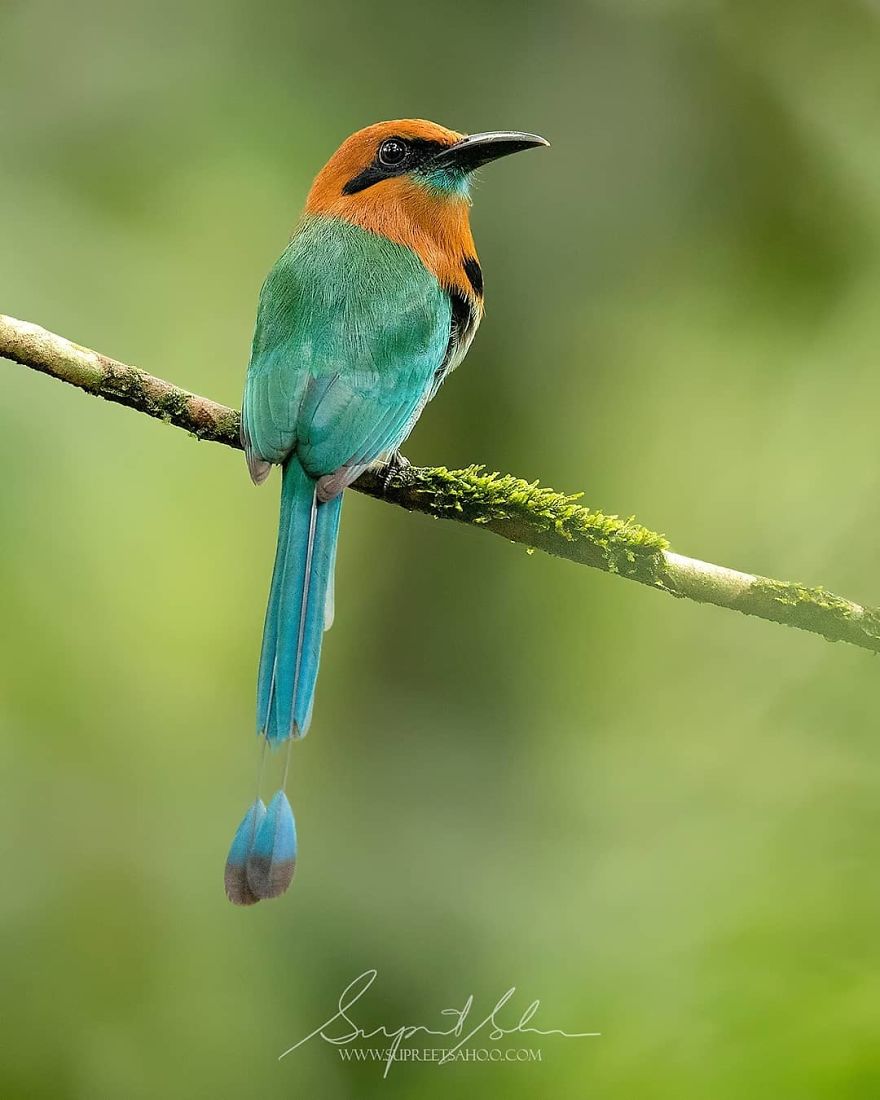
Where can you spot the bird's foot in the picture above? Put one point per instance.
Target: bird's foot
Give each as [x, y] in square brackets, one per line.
[392, 469]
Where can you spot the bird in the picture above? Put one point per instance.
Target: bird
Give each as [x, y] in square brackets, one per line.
[370, 307]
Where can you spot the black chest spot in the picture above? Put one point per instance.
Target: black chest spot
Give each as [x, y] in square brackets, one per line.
[475, 275]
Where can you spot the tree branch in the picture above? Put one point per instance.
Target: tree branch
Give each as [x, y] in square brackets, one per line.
[522, 512]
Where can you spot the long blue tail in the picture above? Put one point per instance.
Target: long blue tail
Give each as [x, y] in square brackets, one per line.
[262, 858]
[298, 605]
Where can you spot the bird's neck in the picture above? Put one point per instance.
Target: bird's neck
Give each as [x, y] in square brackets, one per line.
[435, 225]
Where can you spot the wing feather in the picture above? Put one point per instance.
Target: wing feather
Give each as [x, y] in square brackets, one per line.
[351, 333]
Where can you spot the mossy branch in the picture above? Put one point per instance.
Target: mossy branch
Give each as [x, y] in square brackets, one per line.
[520, 511]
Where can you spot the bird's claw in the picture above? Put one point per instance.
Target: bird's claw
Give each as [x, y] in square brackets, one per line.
[395, 465]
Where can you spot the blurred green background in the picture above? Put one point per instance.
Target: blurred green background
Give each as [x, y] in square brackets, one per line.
[660, 819]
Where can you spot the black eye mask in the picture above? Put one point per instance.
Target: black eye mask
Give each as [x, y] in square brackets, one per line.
[418, 152]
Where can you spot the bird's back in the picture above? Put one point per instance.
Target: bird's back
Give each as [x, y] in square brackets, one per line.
[351, 331]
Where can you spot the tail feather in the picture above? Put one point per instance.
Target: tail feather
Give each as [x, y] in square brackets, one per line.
[272, 858]
[297, 611]
[293, 613]
[330, 601]
[235, 877]
[315, 612]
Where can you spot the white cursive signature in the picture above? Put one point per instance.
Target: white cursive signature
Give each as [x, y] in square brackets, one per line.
[493, 1029]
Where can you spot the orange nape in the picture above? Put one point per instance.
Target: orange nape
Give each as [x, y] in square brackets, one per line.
[435, 224]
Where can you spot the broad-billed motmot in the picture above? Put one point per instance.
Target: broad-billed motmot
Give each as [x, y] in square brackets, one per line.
[372, 304]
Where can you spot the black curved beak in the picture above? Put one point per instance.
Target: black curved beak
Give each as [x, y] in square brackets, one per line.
[478, 149]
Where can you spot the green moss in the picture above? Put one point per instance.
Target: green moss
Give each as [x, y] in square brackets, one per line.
[791, 594]
[820, 610]
[228, 428]
[500, 500]
[173, 407]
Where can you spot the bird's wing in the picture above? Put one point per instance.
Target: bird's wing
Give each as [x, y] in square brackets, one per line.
[351, 334]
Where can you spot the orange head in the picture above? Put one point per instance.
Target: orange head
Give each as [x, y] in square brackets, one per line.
[408, 180]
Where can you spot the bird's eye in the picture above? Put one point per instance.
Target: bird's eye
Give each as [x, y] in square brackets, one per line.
[392, 152]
